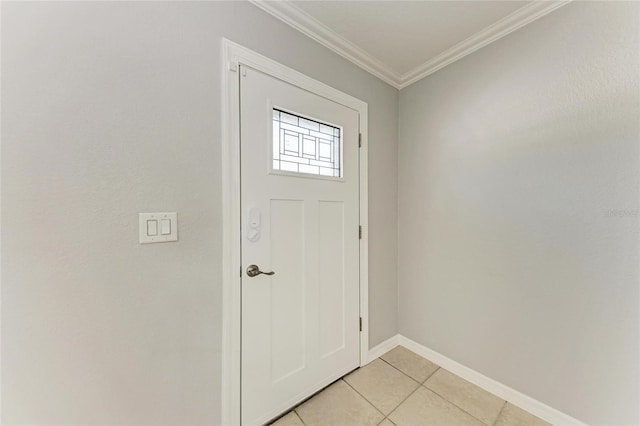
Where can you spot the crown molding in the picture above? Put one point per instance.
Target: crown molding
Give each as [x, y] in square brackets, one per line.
[287, 12]
[301, 21]
[493, 32]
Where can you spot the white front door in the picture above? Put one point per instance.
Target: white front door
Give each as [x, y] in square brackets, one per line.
[299, 202]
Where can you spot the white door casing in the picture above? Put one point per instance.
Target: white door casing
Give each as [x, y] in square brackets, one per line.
[290, 206]
[300, 327]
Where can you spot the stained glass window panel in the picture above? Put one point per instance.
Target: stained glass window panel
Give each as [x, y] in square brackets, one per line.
[304, 145]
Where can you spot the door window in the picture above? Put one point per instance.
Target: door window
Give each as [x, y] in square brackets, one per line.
[306, 146]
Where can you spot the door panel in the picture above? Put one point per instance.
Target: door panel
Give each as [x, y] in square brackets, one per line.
[300, 326]
[331, 276]
[287, 296]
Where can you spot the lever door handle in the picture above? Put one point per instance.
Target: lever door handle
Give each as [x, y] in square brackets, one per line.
[254, 271]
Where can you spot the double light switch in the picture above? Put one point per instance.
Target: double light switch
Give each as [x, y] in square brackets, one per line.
[158, 227]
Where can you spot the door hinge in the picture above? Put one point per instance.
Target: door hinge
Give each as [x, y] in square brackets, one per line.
[360, 323]
[360, 232]
[359, 140]
[240, 271]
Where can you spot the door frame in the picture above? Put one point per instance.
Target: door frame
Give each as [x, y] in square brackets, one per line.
[232, 56]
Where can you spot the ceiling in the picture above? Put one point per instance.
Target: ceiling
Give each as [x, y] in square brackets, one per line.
[403, 41]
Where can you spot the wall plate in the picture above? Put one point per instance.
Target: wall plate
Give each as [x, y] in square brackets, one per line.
[158, 227]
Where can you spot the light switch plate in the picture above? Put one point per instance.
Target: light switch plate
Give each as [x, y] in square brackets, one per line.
[159, 218]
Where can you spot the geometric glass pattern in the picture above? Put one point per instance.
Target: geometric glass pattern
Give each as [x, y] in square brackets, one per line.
[302, 145]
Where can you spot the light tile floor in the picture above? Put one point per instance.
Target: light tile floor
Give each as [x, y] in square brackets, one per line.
[403, 389]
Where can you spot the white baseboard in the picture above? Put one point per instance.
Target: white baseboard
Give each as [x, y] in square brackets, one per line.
[519, 399]
[382, 348]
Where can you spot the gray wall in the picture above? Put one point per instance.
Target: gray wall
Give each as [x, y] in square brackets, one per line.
[110, 109]
[510, 259]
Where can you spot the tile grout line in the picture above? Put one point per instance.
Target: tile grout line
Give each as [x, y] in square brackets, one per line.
[298, 415]
[423, 384]
[420, 384]
[388, 363]
[500, 413]
[430, 375]
[386, 416]
[363, 397]
[462, 409]
[408, 396]
[354, 389]
[301, 403]
[388, 419]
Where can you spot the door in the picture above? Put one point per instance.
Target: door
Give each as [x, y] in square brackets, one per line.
[300, 219]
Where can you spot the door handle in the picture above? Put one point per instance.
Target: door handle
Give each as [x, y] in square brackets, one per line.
[254, 270]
